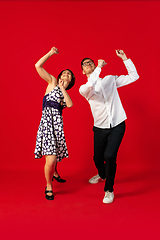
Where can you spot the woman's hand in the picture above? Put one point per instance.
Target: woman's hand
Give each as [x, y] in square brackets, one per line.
[67, 98]
[54, 50]
[121, 54]
[61, 84]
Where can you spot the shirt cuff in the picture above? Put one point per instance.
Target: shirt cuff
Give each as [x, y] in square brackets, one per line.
[128, 60]
[94, 75]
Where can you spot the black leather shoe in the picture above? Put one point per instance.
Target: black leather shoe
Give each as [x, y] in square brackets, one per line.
[47, 196]
[59, 179]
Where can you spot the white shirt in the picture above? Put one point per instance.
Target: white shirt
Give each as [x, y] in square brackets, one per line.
[103, 97]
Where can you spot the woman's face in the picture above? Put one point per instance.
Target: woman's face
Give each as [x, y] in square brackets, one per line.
[66, 76]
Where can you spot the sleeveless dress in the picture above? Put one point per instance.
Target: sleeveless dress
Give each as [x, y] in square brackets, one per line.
[50, 136]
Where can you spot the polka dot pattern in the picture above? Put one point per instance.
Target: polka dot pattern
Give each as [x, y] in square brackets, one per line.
[50, 136]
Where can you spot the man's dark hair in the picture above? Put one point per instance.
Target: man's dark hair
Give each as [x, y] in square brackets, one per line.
[84, 60]
[71, 84]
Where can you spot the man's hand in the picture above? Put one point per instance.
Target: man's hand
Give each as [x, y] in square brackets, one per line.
[101, 63]
[121, 54]
[54, 50]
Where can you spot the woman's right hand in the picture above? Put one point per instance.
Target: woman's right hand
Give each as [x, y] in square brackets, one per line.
[54, 50]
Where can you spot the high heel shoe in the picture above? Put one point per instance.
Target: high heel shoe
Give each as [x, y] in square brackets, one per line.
[47, 196]
[59, 179]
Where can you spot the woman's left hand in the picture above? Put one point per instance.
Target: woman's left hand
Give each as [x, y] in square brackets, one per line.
[61, 83]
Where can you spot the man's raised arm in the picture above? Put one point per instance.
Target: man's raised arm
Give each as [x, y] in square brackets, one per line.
[87, 90]
[132, 72]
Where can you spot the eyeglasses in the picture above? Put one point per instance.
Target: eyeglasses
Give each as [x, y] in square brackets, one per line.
[87, 63]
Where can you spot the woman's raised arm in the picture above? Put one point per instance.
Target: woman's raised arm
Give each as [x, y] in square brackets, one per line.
[41, 71]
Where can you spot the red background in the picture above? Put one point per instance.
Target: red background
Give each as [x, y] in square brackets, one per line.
[81, 29]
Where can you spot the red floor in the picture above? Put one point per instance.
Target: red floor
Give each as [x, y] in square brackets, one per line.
[77, 211]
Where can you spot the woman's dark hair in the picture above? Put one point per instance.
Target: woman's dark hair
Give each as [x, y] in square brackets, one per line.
[71, 84]
[84, 60]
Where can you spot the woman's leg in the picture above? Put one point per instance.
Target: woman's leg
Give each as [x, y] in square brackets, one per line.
[55, 171]
[56, 176]
[49, 168]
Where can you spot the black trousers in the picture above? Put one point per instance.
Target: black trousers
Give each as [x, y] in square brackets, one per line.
[106, 145]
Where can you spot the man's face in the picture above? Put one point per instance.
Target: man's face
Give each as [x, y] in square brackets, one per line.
[88, 66]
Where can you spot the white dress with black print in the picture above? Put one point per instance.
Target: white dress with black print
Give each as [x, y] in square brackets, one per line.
[50, 136]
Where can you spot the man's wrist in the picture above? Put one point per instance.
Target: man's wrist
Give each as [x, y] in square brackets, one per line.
[124, 59]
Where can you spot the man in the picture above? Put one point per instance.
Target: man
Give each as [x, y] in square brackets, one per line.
[109, 117]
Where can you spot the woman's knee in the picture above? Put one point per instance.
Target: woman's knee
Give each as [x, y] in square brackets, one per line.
[51, 160]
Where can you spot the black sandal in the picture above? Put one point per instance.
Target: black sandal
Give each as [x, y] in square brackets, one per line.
[47, 196]
[59, 179]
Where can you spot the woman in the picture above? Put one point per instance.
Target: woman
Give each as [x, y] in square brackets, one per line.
[50, 136]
